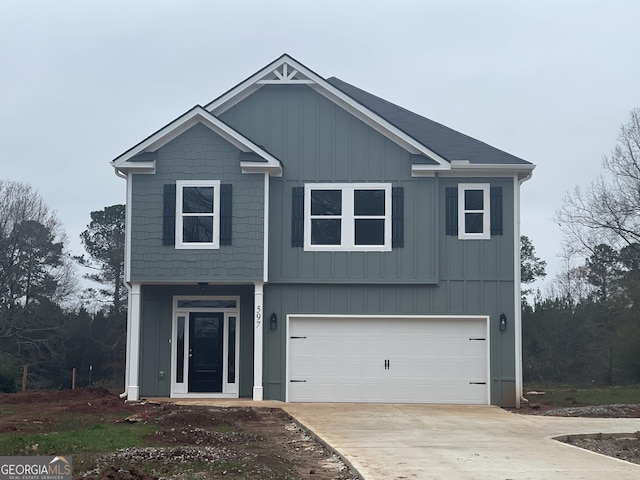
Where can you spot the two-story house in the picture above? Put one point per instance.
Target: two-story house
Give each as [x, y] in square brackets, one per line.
[303, 240]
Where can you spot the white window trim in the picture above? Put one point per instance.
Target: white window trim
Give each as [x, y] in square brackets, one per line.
[229, 390]
[347, 217]
[215, 244]
[486, 212]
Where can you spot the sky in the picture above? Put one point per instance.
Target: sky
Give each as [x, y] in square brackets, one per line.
[550, 81]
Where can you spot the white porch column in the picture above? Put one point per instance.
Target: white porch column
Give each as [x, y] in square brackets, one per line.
[133, 353]
[258, 315]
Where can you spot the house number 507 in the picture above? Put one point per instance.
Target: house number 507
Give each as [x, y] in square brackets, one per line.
[258, 315]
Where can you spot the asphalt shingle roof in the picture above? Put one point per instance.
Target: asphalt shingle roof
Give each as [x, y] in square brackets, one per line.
[446, 142]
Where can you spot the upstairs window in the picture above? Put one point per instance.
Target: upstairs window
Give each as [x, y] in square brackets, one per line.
[198, 214]
[347, 217]
[473, 217]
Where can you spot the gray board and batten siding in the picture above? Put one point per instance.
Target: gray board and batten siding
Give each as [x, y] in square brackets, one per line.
[433, 273]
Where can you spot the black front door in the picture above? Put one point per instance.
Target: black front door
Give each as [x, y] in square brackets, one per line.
[205, 351]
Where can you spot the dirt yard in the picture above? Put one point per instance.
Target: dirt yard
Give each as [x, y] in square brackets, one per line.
[212, 442]
[625, 448]
[188, 442]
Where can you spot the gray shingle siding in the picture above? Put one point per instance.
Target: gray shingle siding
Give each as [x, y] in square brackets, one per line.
[197, 154]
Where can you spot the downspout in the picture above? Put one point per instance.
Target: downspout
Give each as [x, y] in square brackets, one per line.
[520, 399]
[125, 280]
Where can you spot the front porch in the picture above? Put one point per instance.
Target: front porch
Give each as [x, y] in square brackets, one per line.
[194, 341]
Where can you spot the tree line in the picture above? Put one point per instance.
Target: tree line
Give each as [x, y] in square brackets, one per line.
[585, 328]
[47, 320]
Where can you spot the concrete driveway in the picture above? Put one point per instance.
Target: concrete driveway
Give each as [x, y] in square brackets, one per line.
[422, 442]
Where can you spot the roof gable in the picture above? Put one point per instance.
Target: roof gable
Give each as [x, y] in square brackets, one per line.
[253, 158]
[286, 70]
[432, 146]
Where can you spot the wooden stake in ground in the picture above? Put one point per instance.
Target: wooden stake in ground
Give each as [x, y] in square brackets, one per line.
[73, 379]
[25, 372]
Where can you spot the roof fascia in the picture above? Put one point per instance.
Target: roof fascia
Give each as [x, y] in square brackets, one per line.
[182, 124]
[313, 80]
[464, 169]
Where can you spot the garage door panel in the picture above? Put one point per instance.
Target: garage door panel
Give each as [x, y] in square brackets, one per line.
[423, 360]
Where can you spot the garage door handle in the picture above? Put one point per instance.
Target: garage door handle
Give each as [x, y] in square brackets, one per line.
[481, 339]
[298, 381]
[387, 364]
[477, 383]
[297, 337]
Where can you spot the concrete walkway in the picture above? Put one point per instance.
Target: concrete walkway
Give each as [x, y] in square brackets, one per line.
[445, 442]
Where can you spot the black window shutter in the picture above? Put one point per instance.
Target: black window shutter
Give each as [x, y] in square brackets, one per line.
[226, 210]
[451, 210]
[297, 217]
[169, 215]
[397, 217]
[496, 210]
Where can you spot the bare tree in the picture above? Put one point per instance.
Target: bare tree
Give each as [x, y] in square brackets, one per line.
[33, 262]
[608, 211]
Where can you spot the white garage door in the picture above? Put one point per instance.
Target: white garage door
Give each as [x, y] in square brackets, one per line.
[385, 359]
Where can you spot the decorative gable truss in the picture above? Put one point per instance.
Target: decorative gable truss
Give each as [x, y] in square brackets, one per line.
[286, 71]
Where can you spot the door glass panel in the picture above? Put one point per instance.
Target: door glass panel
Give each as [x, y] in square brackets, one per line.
[180, 351]
[209, 303]
[231, 349]
[205, 351]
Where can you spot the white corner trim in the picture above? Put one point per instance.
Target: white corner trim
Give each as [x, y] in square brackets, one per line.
[133, 354]
[258, 329]
[265, 243]
[517, 291]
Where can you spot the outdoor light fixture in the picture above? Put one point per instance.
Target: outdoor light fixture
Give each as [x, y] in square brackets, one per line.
[503, 322]
[203, 285]
[273, 321]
